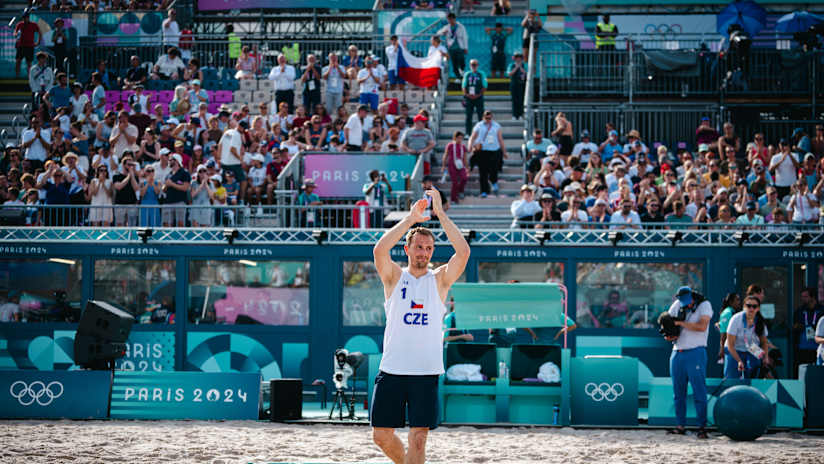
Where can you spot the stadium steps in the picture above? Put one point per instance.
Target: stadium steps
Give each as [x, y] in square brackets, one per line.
[10, 9]
[11, 105]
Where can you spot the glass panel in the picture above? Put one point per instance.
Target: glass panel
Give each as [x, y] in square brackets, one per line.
[143, 288]
[523, 272]
[775, 281]
[363, 293]
[249, 292]
[40, 290]
[630, 295]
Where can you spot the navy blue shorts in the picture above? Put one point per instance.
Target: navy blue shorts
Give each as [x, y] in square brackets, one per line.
[394, 395]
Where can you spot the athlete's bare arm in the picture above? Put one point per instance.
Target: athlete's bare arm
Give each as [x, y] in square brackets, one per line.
[450, 272]
[388, 270]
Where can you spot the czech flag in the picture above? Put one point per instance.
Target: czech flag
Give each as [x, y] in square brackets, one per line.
[414, 305]
[422, 72]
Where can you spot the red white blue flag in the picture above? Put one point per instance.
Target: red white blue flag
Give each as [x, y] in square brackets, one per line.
[422, 72]
[414, 305]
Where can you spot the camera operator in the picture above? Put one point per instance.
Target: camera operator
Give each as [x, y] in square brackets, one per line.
[688, 362]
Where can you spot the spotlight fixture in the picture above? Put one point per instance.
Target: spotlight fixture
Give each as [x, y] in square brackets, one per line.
[230, 235]
[802, 238]
[320, 235]
[615, 237]
[468, 235]
[144, 233]
[675, 236]
[542, 236]
[741, 237]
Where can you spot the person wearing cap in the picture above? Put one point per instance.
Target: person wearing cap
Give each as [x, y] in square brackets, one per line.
[308, 197]
[419, 141]
[517, 72]
[474, 86]
[74, 172]
[488, 151]
[634, 145]
[585, 147]
[618, 172]
[610, 147]
[197, 94]
[176, 189]
[784, 166]
[376, 193]
[688, 361]
[135, 75]
[163, 166]
[27, 36]
[354, 129]
[705, 134]
[751, 217]
[525, 209]
[456, 42]
[549, 212]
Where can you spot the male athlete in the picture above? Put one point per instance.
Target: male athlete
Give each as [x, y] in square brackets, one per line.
[413, 341]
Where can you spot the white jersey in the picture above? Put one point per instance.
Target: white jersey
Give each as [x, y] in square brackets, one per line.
[413, 340]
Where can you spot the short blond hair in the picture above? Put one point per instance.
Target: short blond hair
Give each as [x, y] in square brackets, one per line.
[418, 230]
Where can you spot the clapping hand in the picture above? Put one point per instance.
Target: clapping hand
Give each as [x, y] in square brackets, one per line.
[437, 205]
[416, 213]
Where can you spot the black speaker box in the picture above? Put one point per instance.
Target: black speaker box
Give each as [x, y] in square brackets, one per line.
[91, 351]
[286, 399]
[12, 216]
[102, 320]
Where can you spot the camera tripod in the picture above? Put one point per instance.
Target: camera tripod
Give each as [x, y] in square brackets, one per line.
[340, 400]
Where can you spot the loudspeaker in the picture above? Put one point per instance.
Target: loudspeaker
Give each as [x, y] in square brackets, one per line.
[813, 378]
[12, 217]
[286, 399]
[102, 320]
[96, 353]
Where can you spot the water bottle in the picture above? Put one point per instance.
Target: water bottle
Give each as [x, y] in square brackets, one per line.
[502, 371]
[555, 413]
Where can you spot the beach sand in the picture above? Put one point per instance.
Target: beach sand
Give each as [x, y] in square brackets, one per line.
[29, 442]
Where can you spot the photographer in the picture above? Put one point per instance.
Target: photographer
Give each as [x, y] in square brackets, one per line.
[688, 362]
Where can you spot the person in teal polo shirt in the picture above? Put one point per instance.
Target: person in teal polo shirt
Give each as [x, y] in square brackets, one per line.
[751, 218]
[678, 215]
[731, 304]
[474, 85]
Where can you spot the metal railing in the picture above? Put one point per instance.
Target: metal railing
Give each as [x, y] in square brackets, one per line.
[677, 66]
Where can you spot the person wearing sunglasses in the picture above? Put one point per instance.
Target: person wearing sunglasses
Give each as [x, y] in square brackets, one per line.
[747, 344]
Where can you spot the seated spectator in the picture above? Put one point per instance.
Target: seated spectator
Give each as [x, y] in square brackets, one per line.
[625, 217]
[725, 215]
[193, 71]
[106, 78]
[525, 209]
[549, 212]
[246, 65]
[575, 212]
[585, 147]
[678, 215]
[751, 218]
[536, 149]
[614, 312]
[600, 212]
[180, 105]
[653, 211]
[634, 145]
[803, 205]
[136, 74]
[392, 144]
[705, 134]
[198, 96]
[169, 66]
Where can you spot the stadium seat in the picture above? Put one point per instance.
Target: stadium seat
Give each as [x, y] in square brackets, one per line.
[230, 84]
[248, 84]
[153, 85]
[211, 84]
[266, 85]
[165, 96]
[262, 95]
[413, 96]
[209, 73]
[214, 108]
[125, 94]
[398, 94]
[112, 95]
[242, 96]
[223, 96]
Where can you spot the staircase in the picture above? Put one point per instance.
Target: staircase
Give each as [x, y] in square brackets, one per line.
[474, 211]
[14, 93]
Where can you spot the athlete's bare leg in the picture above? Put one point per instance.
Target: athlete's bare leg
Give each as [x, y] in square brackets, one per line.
[417, 445]
[390, 444]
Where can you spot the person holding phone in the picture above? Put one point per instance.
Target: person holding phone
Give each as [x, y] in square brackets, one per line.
[747, 344]
[376, 193]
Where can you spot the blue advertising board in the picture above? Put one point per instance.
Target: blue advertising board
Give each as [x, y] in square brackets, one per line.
[204, 5]
[185, 395]
[149, 351]
[54, 394]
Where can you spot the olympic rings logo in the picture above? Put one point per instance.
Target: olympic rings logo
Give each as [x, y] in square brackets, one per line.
[604, 391]
[37, 391]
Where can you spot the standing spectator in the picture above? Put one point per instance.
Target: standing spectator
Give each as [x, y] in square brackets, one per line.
[98, 97]
[257, 182]
[283, 76]
[563, 130]
[41, 76]
[123, 136]
[497, 38]
[525, 209]
[311, 82]
[747, 342]
[150, 189]
[100, 195]
[200, 216]
[60, 46]
[625, 218]
[392, 51]
[78, 101]
[517, 85]
[125, 188]
[370, 80]
[419, 141]
[27, 36]
[705, 134]
[487, 144]
[354, 129]
[234, 43]
[176, 188]
[456, 43]
[605, 33]
[353, 62]
[246, 65]
[229, 154]
[729, 139]
[473, 85]
[805, 320]
[334, 74]
[135, 75]
[376, 193]
[532, 25]
[36, 142]
[817, 142]
[58, 189]
[784, 167]
[457, 164]
[307, 197]
[501, 8]
[171, 30]
[803, 205]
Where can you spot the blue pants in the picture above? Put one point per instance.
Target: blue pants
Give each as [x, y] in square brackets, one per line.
[751, 365]
[689, 366]
[370, 99]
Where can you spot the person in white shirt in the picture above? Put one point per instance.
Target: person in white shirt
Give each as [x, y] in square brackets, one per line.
[124, 136]
[171, 30]
[168, 66]
[803, 205]
[456, 43]
[35, 141]
[392, 51]
[257, 181]
[138, 98]
[354, 128]
[524, 210]
[784, 167]
[435, 46]
[334, 75]
[229, 153]
[162, 167]
[370, 80]
[574, 213]
[625, 218]
[283, 75]
[584, 148]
